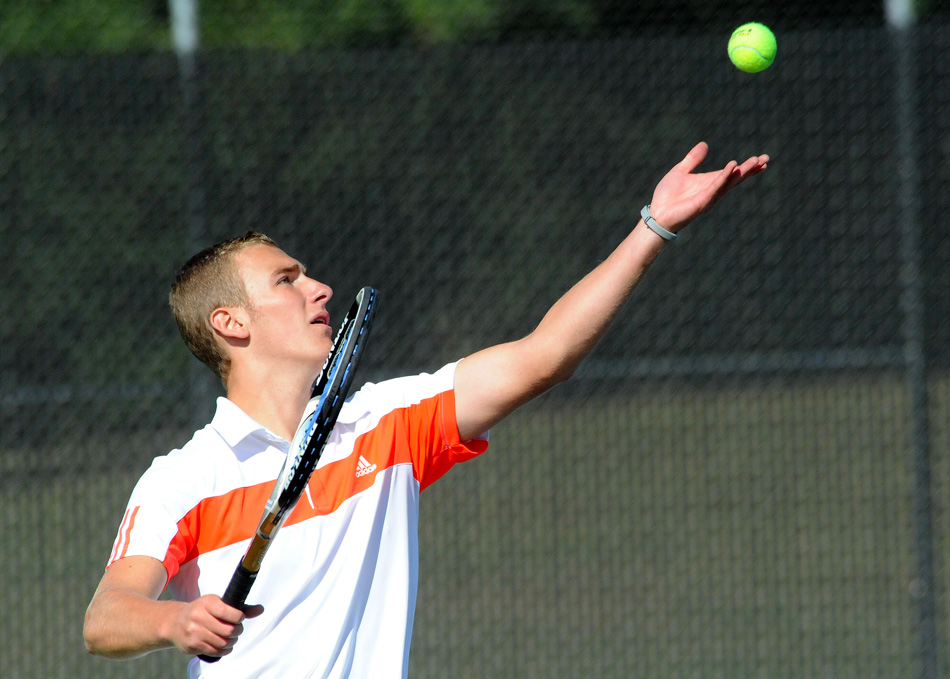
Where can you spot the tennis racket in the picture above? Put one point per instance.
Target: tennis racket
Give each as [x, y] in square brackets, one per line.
[327, 396]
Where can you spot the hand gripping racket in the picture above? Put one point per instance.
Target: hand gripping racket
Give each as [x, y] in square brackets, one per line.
[327, 397]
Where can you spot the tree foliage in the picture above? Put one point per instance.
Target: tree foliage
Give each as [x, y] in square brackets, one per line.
[83, 26]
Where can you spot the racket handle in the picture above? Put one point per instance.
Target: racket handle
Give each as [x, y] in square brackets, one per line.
[235, 596]
[236, 593]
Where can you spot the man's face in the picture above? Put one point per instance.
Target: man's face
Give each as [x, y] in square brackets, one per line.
[288, 320]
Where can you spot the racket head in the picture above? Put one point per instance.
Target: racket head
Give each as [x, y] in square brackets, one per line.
[328, 393]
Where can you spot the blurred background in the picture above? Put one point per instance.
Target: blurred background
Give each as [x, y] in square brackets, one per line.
[750, 476]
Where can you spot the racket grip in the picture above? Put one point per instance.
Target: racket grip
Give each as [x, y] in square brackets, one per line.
[236, 593]
[235, 596]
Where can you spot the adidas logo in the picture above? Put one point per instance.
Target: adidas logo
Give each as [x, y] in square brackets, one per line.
[364, 467]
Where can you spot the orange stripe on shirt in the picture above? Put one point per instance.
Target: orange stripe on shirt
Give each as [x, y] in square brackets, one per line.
[118, 538]
[125, 534]
[227, 519]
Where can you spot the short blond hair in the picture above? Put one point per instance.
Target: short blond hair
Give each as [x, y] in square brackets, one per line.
[207, 281]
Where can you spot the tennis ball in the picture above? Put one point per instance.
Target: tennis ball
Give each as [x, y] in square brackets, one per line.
[752, 47]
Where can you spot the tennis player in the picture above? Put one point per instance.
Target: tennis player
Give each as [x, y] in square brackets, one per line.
[336, 595]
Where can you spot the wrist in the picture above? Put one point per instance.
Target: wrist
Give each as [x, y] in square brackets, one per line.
[654, 227]
[167, 624]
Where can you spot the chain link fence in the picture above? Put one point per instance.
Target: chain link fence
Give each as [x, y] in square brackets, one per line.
[749, 477]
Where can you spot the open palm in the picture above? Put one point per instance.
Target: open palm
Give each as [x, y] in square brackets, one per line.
[683, 194]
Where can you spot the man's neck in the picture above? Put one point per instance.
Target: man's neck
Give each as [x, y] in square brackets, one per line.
[276, 403]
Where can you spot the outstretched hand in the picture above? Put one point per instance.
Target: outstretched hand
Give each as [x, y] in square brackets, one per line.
[683, 195]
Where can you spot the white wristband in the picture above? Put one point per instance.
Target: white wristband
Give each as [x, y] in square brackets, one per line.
[656, 228]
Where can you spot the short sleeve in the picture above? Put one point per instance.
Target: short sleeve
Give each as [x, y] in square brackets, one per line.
[415, 418]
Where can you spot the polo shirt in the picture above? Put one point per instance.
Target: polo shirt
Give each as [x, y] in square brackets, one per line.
[339, 582]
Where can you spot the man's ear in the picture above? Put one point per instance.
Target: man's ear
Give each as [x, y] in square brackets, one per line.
[230, 323]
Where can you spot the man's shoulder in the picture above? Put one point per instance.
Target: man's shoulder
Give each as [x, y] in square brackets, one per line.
[192, 468]
[402, 391]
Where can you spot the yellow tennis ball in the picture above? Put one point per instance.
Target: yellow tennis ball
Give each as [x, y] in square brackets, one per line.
[752, 47]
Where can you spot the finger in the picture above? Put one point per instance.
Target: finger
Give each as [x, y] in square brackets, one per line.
[253, 611]
[749, 168]
[207, 629]
[695, 157]
[213, 644]
[219, 623]
[753, 165]
[231, 639]
[214, 652]
[224, 642]
[722, 179]
[219, 632]
[730, 176]
[225, 613]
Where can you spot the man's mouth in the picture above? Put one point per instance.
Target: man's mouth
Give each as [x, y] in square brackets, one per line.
[321, 319]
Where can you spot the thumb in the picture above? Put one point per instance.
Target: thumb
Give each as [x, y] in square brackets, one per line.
[253, 611]
[695, 157]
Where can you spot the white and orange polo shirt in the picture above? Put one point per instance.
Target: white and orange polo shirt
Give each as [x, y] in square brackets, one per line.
[339, 583]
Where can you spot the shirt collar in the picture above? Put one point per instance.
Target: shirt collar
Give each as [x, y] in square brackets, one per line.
[234, 425]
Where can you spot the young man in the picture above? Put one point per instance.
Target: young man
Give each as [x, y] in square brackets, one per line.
[338, 587]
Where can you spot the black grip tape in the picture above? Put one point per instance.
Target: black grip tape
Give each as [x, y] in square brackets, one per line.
[236, 593]
[235, 596]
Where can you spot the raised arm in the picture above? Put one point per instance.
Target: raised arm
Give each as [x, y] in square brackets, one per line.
[125, 618]
[491, 383]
